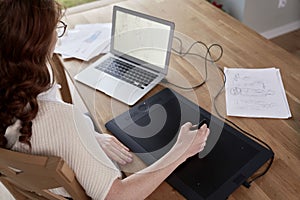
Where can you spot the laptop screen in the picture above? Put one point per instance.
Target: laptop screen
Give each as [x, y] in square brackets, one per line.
[141, 38]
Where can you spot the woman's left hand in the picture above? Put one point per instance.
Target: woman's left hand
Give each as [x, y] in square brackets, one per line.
[114, 148]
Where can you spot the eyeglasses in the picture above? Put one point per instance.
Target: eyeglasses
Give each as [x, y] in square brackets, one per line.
[61, 28]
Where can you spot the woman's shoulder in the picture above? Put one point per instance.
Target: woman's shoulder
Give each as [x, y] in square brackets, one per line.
[55, 113]
[53, 106]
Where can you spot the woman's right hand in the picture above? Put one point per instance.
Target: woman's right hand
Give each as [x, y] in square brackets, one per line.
[191, 141]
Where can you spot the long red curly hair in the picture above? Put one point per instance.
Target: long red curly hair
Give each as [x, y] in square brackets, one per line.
[26, 32]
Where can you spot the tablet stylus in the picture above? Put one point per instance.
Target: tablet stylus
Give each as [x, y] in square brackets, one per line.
[202, 122]
[195, 127]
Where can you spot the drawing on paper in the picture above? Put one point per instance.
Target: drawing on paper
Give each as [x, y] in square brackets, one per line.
[255, 93]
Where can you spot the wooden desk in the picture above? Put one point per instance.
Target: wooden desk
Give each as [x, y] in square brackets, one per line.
[242, 48]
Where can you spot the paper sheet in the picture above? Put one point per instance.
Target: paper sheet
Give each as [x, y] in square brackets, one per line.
[85, 41]
[255, 93]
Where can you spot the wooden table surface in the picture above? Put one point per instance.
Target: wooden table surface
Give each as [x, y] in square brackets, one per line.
[197, 20]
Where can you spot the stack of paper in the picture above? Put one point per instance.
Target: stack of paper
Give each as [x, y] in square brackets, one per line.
[85, 41]
[255, 93]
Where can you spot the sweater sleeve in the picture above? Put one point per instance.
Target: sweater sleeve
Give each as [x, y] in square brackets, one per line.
[61, 130]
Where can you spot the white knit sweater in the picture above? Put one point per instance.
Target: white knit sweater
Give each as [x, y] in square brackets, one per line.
[59, 129]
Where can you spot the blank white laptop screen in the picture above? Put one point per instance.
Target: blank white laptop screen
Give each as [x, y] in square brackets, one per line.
[141, 38]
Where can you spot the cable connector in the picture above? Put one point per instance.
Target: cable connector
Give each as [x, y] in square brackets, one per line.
[246, 184]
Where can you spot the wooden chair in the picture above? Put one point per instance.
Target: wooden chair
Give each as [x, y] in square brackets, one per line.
[61, 78]
[30, 176]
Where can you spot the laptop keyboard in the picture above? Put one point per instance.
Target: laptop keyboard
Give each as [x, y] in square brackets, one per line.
[127, 72]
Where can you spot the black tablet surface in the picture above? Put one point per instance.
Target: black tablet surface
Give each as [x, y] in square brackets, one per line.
[150, 129]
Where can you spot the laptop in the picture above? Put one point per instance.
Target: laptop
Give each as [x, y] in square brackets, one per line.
[150, 129]
[138, 60]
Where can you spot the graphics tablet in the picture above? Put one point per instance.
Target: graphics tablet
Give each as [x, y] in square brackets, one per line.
[150, 129]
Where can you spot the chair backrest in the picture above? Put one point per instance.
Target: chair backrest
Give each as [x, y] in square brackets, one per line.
[30, 176]
[61, 77]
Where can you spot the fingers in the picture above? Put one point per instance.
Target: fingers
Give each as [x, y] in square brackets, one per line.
[202, 146]
[119, 155]
[203, 132]
[117, 142]
[115, 149]
[121, 151]
[187, 126]
[203, 127]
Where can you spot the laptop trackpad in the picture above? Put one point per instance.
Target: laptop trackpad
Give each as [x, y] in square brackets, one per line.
[117, 89]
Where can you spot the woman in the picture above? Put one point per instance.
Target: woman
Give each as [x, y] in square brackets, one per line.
[34, 121]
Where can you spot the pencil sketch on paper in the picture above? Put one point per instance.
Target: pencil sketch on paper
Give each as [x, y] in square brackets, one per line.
[255, 93]
[250, 91]
[246, 86]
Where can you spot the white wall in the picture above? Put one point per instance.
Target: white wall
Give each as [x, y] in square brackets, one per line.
[264, 16]
[234, 7]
